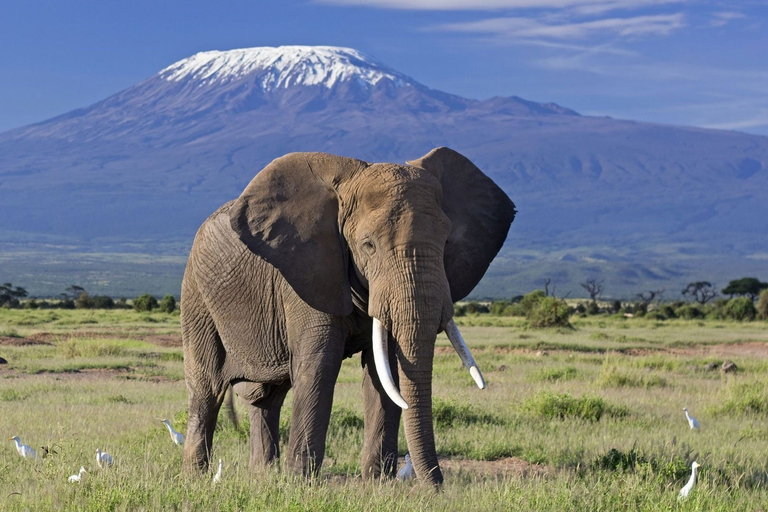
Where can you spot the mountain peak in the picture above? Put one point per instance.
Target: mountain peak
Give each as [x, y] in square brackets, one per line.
[283, 66]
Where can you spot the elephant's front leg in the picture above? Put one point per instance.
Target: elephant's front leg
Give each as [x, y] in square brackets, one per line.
[313, 376]
[382, 420]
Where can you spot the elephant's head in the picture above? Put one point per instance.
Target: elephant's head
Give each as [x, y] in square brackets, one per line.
[418, 237]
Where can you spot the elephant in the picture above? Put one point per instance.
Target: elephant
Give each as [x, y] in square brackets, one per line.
[322, 257]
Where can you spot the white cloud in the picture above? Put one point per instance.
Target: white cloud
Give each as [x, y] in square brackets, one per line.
[584, 6]
[723, 18]
[519, 28]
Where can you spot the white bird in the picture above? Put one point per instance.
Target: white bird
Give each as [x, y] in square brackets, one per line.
[217, 476]
[103, 459]
[176, 437]
[692, 422]
[685, 491]
[406, 472]
[24, 450]
[76, 478]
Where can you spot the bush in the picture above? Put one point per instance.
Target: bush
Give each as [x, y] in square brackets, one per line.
[84, 301]
[592, 309]
[689, 312]
[549, 312]
[103, 302]
[459, 310]
[145, 302]
[498, 307]
[741, 309]
[762, 305]
[554, 405]
[168, 304]
[475, 308]
[668, 311]
[530, 300]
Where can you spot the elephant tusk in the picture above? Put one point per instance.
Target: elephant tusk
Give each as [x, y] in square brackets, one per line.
[452, 331]
[381, 362]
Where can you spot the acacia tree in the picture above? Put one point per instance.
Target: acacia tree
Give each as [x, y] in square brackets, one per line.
[649, 296]
[746, 286]
[594, 288]
[10, 294]
[700, 291]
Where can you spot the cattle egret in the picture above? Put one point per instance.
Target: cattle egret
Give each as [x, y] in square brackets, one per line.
[24, 450]
[76, 478]
[217, 476]
[176, 437]
[406, 472]
[685, 491]
[692, 422]
[103, 459]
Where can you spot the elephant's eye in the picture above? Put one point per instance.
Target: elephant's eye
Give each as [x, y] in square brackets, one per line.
[368, 247]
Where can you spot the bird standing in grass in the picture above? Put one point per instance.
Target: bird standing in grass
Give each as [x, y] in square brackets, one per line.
[176, 437]
[686, 490]
[103, 459]
[406, 472]
[217, 476]
[24, 450]
[692, 422]
[76, 478]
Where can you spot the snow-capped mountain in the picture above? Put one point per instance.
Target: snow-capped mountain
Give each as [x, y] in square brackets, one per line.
[636, 203]
[283, 67]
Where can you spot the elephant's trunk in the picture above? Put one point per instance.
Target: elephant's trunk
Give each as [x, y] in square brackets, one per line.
[414, 307]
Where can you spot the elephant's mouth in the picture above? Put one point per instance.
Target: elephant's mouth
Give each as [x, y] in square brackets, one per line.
[380, 339]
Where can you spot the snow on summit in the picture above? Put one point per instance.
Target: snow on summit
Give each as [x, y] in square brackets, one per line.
[283, 66]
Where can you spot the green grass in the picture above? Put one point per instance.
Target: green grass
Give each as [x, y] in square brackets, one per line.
[592, 417]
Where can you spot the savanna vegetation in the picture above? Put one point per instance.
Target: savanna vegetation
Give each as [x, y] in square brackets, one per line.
[583, 415]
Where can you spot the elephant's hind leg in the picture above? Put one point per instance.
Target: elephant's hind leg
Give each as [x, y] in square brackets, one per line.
[265, 427]
[203, 359]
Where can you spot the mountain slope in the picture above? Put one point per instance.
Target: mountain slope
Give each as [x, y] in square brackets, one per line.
[148, 164]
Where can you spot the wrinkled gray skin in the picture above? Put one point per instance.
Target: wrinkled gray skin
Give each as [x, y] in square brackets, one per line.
[282, 284]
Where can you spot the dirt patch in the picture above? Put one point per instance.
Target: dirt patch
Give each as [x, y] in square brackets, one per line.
[21, 342]
[758, 349]
[166, 340]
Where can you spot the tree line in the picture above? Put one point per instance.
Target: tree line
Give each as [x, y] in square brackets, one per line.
[76, 297]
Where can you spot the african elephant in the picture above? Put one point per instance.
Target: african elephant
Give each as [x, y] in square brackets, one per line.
[322, 257]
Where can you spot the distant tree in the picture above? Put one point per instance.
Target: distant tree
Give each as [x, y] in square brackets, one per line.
[547, 282]
[549, 312]
[594, 288]
[762, 305]
[145, 303]
[84, 301]
[616, 306]
[10, 295]
[700, 291]
[74, 292]
[168, 304]
[650, 296]
[747, 286]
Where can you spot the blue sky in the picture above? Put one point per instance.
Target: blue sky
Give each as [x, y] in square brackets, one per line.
[701, 63]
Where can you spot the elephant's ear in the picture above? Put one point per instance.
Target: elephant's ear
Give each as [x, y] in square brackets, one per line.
[480, 213]
[288, 215]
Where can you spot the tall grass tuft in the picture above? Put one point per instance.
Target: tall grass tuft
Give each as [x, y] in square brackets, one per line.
[564, 405]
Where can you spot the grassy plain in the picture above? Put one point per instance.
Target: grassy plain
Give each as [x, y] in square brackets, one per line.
[582, 419]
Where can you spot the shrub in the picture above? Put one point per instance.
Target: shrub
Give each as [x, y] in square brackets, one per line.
[103, 302]
[616, 306]
[554, 405]
[592, 308]
[762, 305]
[549, 312]
[689, 312]
[145, 302]
[448, 414]
[530, 300]
[31, 304]
[741, 309]
[168, 304]
[459, 310]
[668, 311]
[640, 309]
[84, 301]
[475, 307]
[498, 307]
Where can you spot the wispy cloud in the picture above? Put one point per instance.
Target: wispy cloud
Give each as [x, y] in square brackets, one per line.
[517, 27]
[720, 19]
[586, 6]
